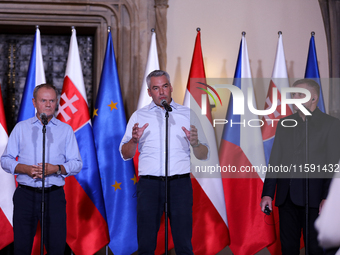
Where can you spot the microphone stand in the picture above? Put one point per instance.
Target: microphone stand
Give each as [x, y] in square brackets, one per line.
[43, 191]
[166, 179]
[307, 190]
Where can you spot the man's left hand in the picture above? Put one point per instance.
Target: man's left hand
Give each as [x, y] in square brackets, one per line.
[191, 135]
[49, 169]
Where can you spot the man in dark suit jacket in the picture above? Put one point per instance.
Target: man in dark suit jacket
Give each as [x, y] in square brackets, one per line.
[289, 149]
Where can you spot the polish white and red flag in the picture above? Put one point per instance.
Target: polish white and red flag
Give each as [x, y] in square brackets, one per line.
[151, 65]
[87, 230]
[144, 98]
[279, 80]
[7, 187]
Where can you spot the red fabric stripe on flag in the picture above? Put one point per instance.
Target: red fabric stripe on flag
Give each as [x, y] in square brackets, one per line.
[244, 214]
[135, 163]
[197, 74]
[213, 231]
[275, 248]
[37, 242]
[160, 249]
[6, 231]
[76, 217]
[267, 129]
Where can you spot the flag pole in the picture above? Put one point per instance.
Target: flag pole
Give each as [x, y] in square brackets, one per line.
[107, 246]
[166, 179]
[166, 173]
[42, 186]
[307, 185]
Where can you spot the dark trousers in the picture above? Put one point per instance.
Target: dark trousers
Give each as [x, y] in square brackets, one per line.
[150, 207]
[292, 220]
[27, 212]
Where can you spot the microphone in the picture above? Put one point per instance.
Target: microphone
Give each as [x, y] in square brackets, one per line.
[166, 105]
[43, 118]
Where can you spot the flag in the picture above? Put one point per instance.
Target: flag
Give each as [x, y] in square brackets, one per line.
[35, 76]
[117, 176]
[87, 230]
[241, 146]
[144, 98]
[7, 187]
[210, 231]
[279, 80]
[151, 65]
[312, 70]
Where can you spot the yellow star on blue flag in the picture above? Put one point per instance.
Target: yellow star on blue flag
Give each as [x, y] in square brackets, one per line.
[134, 179]
[95, 112]
[116, 185]
[113, 105]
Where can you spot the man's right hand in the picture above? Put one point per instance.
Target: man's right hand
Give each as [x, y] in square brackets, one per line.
[31, 170]
[266, 200]
[129, 148]
[137, 132]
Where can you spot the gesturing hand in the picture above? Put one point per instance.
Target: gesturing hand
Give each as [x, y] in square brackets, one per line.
[137, 132]
[191, 135]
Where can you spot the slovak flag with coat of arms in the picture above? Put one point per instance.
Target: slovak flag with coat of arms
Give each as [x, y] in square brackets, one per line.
[87, 230]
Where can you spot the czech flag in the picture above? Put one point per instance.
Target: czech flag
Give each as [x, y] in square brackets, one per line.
[241, 147]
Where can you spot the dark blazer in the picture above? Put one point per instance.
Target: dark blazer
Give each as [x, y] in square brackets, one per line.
[289, 150]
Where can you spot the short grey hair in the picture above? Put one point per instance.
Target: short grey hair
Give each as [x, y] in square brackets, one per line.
[44, 85]
[156, 73]
[311, 83]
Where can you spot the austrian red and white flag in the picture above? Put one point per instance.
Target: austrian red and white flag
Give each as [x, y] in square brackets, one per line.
[7, 187]
[279, 80]
[210, 224]
[87, 230]
[241, 148]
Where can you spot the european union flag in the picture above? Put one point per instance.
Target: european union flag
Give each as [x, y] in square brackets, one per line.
[312, 70]
[118, 176]
[35, 76]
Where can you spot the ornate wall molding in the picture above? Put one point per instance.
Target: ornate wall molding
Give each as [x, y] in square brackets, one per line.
[330, 10]
[161, 7]
[130, 21]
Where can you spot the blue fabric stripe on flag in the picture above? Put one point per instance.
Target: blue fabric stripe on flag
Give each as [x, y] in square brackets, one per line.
[26, 109]
[312, 70]
[232, 133]
[267, 146]
[88, 177]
